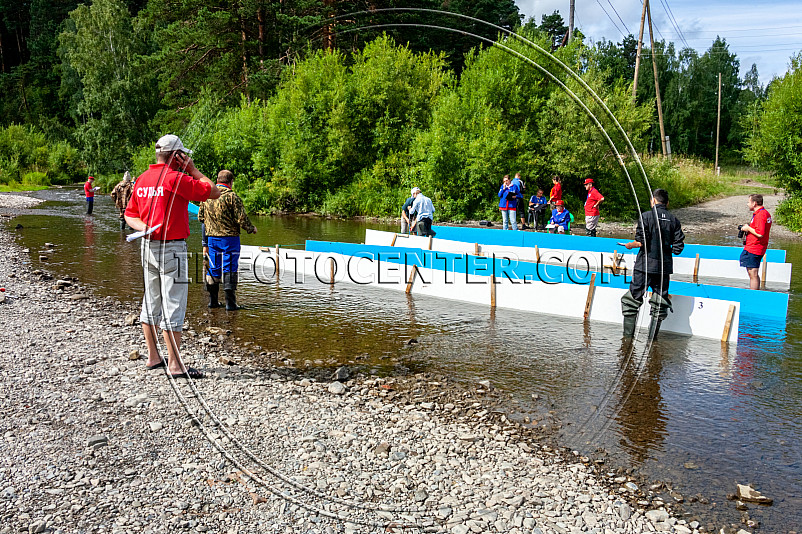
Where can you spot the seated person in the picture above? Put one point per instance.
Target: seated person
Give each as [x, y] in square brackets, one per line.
[537, 209]
[560, 222]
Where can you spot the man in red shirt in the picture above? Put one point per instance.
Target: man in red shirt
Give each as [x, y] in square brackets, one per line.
[592, 207]
[158, 206]
[89, 192]
[757, 239]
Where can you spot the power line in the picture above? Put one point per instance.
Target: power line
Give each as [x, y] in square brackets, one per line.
[611, 19]
[619, 17]
[673, 20]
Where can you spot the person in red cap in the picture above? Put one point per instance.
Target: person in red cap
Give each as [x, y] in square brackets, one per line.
[560, 222]
[89, 192]
[592, 207]
[158, 207]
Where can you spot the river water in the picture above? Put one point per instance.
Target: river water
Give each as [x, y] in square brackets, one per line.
[691, 414]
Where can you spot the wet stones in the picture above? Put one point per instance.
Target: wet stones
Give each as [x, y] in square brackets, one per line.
[749, 494]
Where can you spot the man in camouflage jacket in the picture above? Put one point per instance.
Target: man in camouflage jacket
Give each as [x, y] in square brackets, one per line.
[223, 218]
[121, 194]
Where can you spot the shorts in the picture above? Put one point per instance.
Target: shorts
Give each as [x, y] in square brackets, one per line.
[749, 260]
[591, 222]
[165, 268]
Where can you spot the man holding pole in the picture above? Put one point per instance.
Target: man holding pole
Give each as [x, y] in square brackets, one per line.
[658, 236]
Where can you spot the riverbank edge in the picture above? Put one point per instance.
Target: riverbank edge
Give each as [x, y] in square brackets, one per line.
[492, 409]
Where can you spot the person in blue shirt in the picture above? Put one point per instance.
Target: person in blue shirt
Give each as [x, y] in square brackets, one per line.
[560, 221]
[537, 209]
[508, 195]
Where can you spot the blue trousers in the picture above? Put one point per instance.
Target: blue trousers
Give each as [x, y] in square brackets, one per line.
[223, 255]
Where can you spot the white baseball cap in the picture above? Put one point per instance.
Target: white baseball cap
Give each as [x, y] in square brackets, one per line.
[171, 143]
[415, 190]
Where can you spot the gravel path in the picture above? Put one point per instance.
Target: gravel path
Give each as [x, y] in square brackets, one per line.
[722, 215]
[90, 441]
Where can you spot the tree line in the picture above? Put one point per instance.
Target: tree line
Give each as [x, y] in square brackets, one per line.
[329, 106]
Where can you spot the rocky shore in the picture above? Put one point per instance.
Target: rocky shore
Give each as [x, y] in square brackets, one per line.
[91, 441]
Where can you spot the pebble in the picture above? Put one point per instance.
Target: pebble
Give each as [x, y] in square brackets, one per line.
[387, 442]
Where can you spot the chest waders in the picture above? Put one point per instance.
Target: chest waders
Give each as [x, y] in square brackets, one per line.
[630, 306]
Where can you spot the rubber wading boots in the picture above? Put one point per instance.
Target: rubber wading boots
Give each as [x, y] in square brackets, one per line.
[214, 291]
[629, 309]
[122, 223]
[659, 311]
[230, 281]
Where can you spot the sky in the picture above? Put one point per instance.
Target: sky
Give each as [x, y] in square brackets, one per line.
[765, 33]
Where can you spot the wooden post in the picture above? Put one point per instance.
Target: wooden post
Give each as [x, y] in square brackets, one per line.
[718, 123]
[637, 56]
[394, 238]
[725, 336]
[763, 273]
[278, 270]
[493, 291]
[537, 253]
[430, 242]
[696, 270]
[476, 249]
[411, 279]
[571, 10]
[331, 270]
[591, 290]
[656, 83]
[615, 262]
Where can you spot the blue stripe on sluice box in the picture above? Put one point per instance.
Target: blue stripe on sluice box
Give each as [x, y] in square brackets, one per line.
[488, 236]
[763, 303]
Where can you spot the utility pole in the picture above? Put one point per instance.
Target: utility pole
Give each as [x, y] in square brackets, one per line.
[718, 121]
[656, 83]
[571, 8]
[640, 46]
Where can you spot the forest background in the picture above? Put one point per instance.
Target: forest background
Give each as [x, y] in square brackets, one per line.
[324, 106]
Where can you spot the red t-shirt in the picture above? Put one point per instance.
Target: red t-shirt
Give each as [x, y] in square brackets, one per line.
[761, 223]
[593, 197]
[161, 196]
[88, 189]
[556, 192]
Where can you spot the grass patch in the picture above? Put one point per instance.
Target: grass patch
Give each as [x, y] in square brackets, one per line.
[15, 187]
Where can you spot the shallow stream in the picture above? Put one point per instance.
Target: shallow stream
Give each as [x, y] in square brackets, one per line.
[690, 414]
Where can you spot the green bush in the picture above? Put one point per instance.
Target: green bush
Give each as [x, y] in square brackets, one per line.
[789, 213]
[35, 178]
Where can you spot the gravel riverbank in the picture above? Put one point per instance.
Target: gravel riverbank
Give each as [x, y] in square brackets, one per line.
[93, 442]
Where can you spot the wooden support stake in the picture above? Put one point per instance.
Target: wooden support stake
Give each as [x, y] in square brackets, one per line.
[725, 336]
[476, 249]
[394, 238]
[430, 242]
[696, 270]
[331, 270]
[616, 259]
[763, 273]
[264, 249]
[591, 290]
[537, 253]
[411, 279]
[493, 291]
[278, 270]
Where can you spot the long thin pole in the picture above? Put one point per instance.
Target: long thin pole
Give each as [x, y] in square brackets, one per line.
[571, 7]
[656, 83]
[640, 46]
[718, 121]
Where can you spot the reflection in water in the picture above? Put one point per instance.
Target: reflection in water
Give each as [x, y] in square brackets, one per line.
[640, 412]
